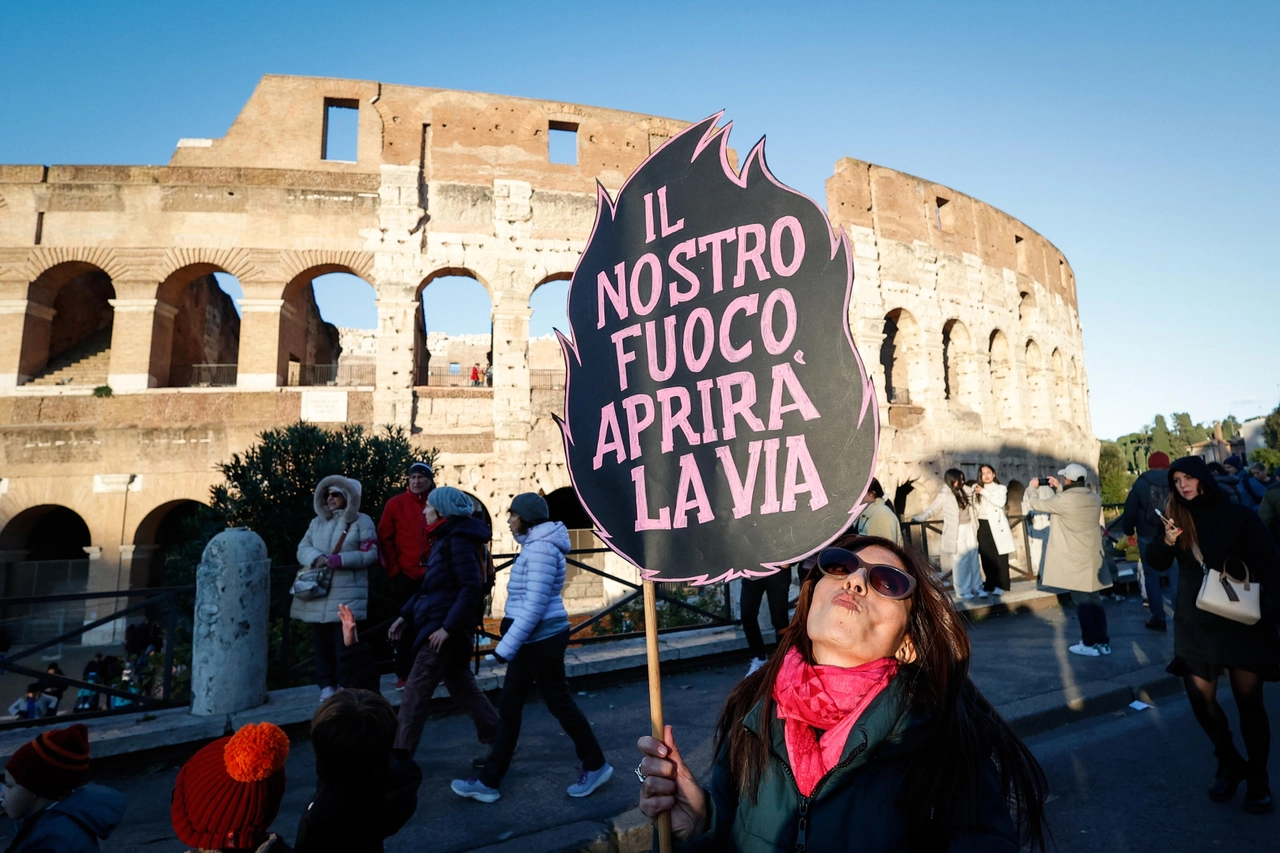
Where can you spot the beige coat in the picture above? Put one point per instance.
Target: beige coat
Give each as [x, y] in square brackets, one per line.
[350, 584]
[879, 519]
[1073, 559]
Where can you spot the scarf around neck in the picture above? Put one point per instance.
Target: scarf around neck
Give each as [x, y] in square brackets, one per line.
[830, 698]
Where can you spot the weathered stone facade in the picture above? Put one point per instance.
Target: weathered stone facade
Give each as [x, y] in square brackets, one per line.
[967, 316]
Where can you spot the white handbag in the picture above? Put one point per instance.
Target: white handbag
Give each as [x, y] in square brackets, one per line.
[1223, 595]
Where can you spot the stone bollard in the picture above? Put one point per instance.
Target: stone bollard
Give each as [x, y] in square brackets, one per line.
[229, 646]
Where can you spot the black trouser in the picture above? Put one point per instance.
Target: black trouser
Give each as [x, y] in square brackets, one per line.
[327, 639]
[1246, 686]
[995, 566]
[1093, 618]
[402, 589]
[778, 587]
[541, 663]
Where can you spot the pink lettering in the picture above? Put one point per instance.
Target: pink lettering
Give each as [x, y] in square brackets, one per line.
[687, 250]
[643, 520]
[623, 356]
[650, 332]
[708, 425]
[637, 423]
[610, 438]
[741, 488]
[772, 343]
[786, 223]
[691, 482]
[616, 296]
[746, 305]
[752, 255]
[647, 261]
[770, 504]
[699, 317]
[785, 377]
[649, 236]
[678, 419]
[716, 242]
[798, 458]
[731, 408]
[667, 230]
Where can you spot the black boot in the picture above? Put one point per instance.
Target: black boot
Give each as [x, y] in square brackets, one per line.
[1230, 773]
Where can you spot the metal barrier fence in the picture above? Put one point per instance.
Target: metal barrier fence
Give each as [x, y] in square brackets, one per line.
[543, 379]
[442, 377]
[127, 701]
[306, 375]
[917, 535]
[203, 375]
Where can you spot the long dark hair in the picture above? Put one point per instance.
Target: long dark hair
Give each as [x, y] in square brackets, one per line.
[943, 780]
[954, 478]
[995, 478]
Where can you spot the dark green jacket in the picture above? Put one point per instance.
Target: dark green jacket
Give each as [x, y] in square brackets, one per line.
[853, 807]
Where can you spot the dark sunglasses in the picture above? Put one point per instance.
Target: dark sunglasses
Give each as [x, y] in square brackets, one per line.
[335, 495]
[888, 581]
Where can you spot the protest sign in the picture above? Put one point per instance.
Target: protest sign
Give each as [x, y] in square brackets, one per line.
[718, 419]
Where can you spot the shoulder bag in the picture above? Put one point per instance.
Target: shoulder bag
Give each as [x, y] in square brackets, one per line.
[311, 582]
[1222, 595]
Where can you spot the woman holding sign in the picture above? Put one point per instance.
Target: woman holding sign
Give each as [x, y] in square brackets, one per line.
[863, 732]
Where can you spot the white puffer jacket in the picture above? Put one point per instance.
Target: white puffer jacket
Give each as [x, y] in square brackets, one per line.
[533, 604]
[350, 584]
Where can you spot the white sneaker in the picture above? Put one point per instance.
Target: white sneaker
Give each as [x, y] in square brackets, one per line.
[1103, 648]
[1087, 651]
[968, 596]
[589, 781]
[474, 789]
[326, 692]
[997, 592]
[756, 663]
[982, 593]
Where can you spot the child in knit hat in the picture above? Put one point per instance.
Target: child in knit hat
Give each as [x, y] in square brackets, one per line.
[228, 793]
[46, 796]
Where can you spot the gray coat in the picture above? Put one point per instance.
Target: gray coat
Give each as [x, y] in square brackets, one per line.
[1073, 558]
[350, 584]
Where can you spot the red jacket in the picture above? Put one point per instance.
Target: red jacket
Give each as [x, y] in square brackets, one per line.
[401, 541]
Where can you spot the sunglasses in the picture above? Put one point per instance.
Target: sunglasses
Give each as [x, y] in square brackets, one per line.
[888, 581]
[334, 495]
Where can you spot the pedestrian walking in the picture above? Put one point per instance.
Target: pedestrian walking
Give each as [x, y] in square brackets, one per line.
[535, 633]
[777, 588]
[959, 533]
[1204, 531]
[364, 794]
[1254, 484]
[864, 733]
[1225, 475]
[403, 547]
[443, 615]
[879, 518]
[1141, 523]
[475, 376]
[1073, 559]
[995, 537]
[46, 797]
[227, 794]
[342, 542]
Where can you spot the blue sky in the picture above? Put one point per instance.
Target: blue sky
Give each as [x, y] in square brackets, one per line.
[1140, 138]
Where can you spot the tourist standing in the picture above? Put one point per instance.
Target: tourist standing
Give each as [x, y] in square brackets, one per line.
[959, 533]
[1073, 558]
[995, 537]
[777, 588]
[403, 547]
[535, 633]
[342, 540]
[1150, 492]
[879, 518]
[1205, 530]
[475, 376]
[443, 615]
[1254, 484]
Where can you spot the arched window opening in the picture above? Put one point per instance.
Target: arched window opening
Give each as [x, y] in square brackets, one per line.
[1037, 392]
[1061, 387]
[205, 346]
[899, 344]
[1002, 385]
[1026, 306]
[46, 546]
[454, 335]
[1078, 393]
[959, 379]
[69, 343]
[550, 306]
[583, 590]
[158, 544]
[313, 345]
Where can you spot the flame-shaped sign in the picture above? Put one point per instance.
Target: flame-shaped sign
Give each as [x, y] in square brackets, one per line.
[718, 419]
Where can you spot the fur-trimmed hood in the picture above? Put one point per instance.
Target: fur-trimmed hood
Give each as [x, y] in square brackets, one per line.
[350, 488]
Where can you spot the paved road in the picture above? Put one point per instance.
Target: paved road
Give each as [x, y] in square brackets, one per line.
[1132, 782]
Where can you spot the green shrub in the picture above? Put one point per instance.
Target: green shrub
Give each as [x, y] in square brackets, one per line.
[103, 391]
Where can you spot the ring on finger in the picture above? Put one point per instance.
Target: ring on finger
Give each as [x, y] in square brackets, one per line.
[640, 775]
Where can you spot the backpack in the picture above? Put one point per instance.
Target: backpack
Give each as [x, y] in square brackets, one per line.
[1157, 498]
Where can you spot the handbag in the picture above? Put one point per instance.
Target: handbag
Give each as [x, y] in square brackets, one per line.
[1222, 595]
[311, 582]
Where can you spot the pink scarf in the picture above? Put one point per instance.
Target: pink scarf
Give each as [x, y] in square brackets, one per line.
[831, 698]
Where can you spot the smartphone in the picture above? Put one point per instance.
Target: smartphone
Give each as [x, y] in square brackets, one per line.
[1162, 516]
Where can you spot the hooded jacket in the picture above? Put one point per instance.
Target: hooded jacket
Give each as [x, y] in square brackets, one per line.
[350, 583]
[1138, 506]
[355, 816]
[1223, 529]
[879, 519]
[451, 593]
[73, 824]
[533, 603]
[1073, 555]
[855, 805]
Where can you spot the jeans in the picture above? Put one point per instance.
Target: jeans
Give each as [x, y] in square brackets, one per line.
[778, 587]
[327, 639]
[1093, 618]
[541, 663]
[452, 666]
[1151, 583]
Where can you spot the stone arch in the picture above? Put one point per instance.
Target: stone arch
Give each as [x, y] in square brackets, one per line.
[44, 550]
[1079, 410]
[1026, 305]
[960, 375]
[899, 351]
[583, 589]
[66, 337]
[1002, 380]
[446, 348]
[159, 533]
[1038, 414]
[310, 347]
[1061, 387]
[548, 305]
[196, 332]
[46, 532]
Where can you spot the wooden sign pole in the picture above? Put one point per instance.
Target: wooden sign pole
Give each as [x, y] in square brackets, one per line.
[655, 694]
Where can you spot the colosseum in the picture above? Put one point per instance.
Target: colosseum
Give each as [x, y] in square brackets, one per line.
[966, 315]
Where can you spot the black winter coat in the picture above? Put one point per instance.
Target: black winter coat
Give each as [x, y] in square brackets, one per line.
[855, 806]
[1223, 529]
[451, 594]
[353, 816]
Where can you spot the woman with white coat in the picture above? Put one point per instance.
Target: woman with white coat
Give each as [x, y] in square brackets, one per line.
[959, 533]
[344, 540]
[535, 632]
[995, 538]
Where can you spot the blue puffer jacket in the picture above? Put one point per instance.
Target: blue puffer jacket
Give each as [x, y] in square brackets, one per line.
[451, 593]
[534, 605]
[73, 824]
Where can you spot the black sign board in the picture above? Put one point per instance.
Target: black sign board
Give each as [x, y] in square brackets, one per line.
[718, 419]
